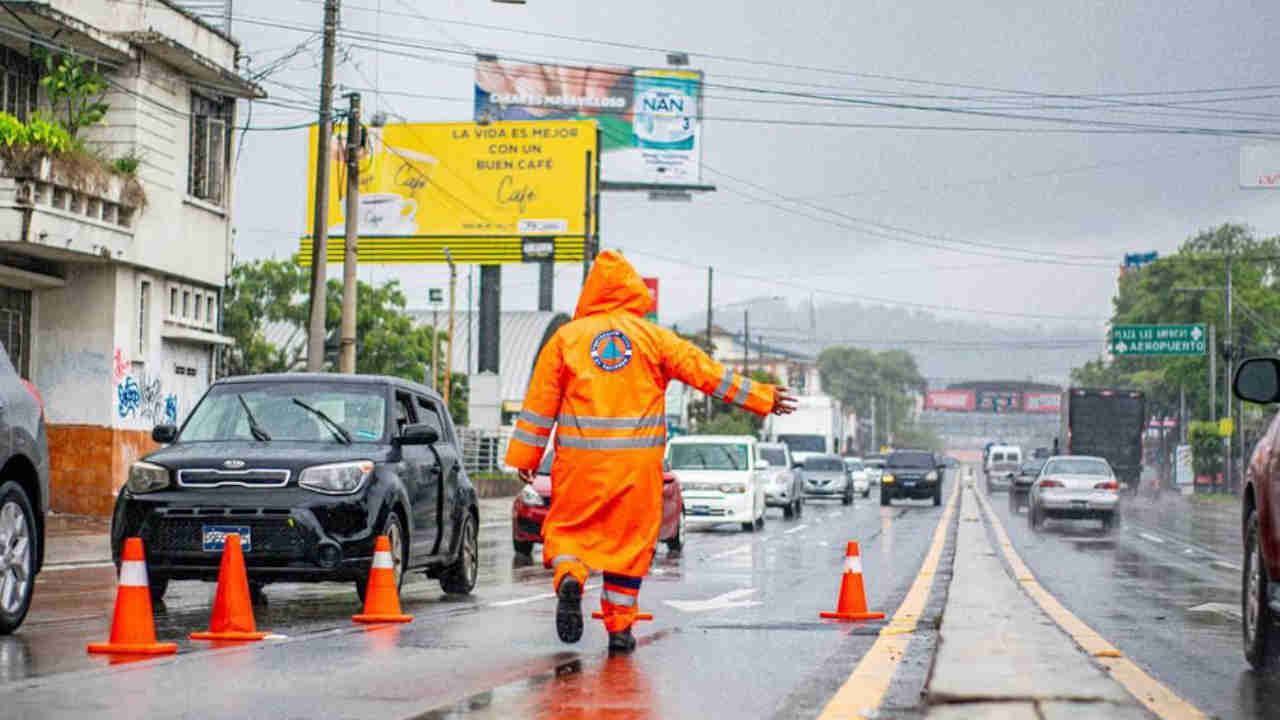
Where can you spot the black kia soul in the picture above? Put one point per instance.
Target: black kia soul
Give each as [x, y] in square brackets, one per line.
[309, 469]
[912, 474]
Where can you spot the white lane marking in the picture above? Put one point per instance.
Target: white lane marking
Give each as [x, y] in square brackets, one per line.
[824, 543]
[1225, 564]
[797, 528]
[1151, 538]
[731, 599]
[276, 636]
[535, 598]
[1231, 611]
[735, 551]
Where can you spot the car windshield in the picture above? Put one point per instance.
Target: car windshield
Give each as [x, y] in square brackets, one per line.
[853, 465]
[1032, 466]
[911, 460]
[804, 443]
[708, 456]
[1077, 466]
[824, 464]
[775, 456]
[361, 409]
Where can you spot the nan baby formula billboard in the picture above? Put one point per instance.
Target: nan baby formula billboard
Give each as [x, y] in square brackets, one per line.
[649, 119]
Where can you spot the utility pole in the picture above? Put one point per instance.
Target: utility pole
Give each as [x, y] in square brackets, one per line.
[448, 362]
[875, 447]
[746, 343]
[1182, 415]
[347, 350]
[1228, 476]
[320, 219]
[707, 398]
[1213, 374]
[435, 346]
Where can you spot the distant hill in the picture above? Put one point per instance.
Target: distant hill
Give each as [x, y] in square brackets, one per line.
[947, 350]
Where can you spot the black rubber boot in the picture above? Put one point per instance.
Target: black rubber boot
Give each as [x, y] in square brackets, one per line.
[622, 642]
[569, 610]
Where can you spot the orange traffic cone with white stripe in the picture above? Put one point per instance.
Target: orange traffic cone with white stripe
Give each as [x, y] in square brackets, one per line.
[852, 604]
[133, 631]
[381, 596]
[232, 611]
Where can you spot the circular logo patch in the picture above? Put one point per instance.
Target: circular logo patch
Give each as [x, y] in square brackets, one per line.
[611, 350]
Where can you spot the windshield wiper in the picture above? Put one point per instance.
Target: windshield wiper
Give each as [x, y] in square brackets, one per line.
[254, 428]
[338, 431]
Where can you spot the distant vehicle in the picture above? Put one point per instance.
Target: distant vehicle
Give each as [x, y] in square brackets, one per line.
[1106, 423]
[825, 476]
[875, 468]
[1258, 380]
[24, 493]
[529, 509]
[1002, 465]
[950, 461]
[309, 469]
[1041, 453]
[815, 428]
[1075, 487]
[858, 471]
[912, 474]
[1021, 487]
[784, 484]
[721, 479]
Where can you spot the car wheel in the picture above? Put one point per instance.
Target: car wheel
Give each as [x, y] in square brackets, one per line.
[522, 547]
[848, 498]
[789, 511]
[17, 556]
[460, 578]
[393, 528]
[156, 586]
[676, 544]
[1261, 637]
[885, 495]
[937, 495]
[760, 522]
[1034, 518]
[799, 506]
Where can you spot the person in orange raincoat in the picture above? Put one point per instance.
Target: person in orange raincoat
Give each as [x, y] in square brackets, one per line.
[600, 383]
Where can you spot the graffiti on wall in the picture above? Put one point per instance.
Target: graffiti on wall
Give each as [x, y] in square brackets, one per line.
[119, 366]
[143, 397]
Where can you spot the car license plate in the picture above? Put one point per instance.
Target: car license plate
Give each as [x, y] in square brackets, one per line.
[699, 510]
[908, 483]
[1080, 503]
[215, 536]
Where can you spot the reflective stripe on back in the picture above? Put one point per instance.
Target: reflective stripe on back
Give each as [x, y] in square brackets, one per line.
[622, 443]
[612, 423]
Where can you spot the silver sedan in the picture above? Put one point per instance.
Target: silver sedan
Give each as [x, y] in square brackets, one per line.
[1075, 487]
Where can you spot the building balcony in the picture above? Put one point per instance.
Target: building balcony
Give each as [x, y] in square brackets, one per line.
[44, 212]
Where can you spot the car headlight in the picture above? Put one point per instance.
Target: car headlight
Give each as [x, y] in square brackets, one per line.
[728, 488]
[530, 497]
[931, 477]
[338, 478]
[145, 477]
[886, 479]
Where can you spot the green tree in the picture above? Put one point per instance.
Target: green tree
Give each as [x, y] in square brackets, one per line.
[856, 375]
[75, 89]
[259, 293]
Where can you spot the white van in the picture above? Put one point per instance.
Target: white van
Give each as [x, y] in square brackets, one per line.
[1003, 463]
[721, 478]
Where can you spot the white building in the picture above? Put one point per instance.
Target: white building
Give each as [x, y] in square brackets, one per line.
[109, 304]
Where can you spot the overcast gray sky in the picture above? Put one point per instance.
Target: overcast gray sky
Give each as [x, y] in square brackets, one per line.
[1057, 193]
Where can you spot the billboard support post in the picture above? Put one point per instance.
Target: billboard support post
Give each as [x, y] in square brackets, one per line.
[351, 234]
[587, 255]
[546, 284]
[490, 302]
[320, 218]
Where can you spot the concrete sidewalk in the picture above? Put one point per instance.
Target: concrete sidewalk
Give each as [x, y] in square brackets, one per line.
[1000, 656]
[79, 541]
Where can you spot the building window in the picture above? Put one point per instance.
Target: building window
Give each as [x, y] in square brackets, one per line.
[197, 308]
[15, 319]
[144, 327]
[19, 80]
[186, 304]
[173, 302]
[210, 148]
[208, 316]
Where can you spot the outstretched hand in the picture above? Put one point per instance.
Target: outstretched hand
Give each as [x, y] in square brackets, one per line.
[783, 402]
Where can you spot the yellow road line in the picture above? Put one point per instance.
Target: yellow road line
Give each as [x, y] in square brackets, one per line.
[1158, 698]
[862, 693]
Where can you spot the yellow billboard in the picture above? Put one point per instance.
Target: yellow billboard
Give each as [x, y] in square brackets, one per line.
[494, 193]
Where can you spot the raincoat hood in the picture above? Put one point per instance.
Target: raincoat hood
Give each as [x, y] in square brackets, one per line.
[613, 284]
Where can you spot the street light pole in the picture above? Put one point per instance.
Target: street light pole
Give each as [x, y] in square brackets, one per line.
[347, 349]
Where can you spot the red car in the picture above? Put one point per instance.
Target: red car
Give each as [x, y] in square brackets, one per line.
[530, 509]
[1258, 380]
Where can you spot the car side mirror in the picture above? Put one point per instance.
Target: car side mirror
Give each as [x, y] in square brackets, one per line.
[419, 434]
[668, 478]
[1258, 380]
[164, 434]
[763, 464]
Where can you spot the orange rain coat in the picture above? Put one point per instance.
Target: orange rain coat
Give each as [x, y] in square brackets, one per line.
[602, 379]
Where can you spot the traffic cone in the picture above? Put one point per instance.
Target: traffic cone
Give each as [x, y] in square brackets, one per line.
[133, 631]
[232, 611]
[853, 599]
[381, 596]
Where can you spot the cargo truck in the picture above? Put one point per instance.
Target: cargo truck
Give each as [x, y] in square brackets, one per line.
[1106, 423]
[815, 428]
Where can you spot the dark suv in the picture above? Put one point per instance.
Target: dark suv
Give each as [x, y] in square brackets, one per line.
[912, 474]
[24, 493]
[309, 469]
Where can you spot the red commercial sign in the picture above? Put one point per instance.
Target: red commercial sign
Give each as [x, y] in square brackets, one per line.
[652, 284]
[1041, 402]
[962, 400]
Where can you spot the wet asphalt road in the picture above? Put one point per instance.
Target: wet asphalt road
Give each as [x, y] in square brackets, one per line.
[1164, 588]
[753, 647]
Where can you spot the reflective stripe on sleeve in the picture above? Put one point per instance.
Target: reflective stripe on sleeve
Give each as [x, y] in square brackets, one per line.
[618, 598]
[623, 443]
[613, 423]
[537, 420]
[529, 438]
[744, 393]
[726, 382]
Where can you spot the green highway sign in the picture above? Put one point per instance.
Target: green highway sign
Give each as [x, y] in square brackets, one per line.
[1158, 340]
